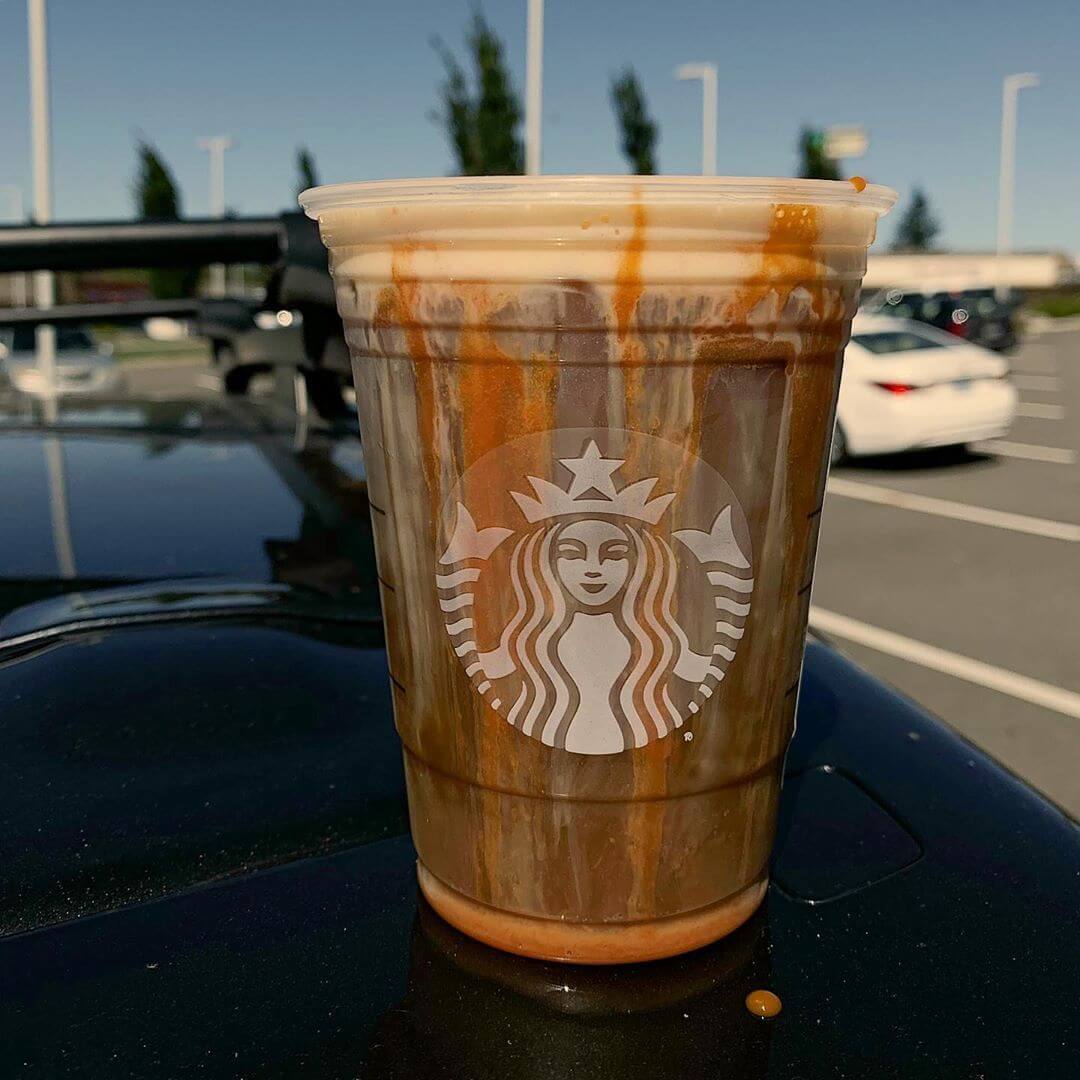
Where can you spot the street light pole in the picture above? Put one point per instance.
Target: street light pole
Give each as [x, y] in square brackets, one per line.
[534, 82]
[1011, 88]
[216, 145]
[41, 149]
[707, 74]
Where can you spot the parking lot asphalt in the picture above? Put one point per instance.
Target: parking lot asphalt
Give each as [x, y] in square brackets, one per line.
[954, 575]
[163, 380]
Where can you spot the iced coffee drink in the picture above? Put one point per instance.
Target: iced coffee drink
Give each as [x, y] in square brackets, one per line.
[596, 415]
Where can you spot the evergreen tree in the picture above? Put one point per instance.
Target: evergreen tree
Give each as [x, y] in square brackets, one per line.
[306, 175]
[639, 130]
[155, 189]
[918, 228]
[157, 199]
[813, 164]
[482, 122]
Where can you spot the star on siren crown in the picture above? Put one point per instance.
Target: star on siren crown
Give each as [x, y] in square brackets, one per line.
[593, 472]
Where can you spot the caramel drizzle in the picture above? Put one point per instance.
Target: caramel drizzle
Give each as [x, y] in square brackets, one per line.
[403, 312]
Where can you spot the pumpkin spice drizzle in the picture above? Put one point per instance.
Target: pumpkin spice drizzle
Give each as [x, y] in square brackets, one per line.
[628, 282]
[501, 397]
[406, 295]
[628, 289]
[646, 819]
[629, 286]
[484, 378]
[406, 291]
[788, 261]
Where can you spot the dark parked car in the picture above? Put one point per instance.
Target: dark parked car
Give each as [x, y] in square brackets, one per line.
[976, 315]
[295, 327]
[247, 339]
[206, 864]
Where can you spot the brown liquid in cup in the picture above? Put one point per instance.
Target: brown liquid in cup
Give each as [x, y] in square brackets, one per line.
[596, 438]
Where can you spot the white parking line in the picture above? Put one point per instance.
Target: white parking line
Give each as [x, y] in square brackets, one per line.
[1049, 383]
[1040, 412]
[162, 365]
[1056, 326]
[979, 515]
[961, 667]
[1002, 447]
[1037, 360]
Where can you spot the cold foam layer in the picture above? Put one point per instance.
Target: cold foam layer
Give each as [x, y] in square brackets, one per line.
[762, 258]
[454, 208]
[542, 228]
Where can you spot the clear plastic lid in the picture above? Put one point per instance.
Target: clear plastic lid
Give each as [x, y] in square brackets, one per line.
[651, 190]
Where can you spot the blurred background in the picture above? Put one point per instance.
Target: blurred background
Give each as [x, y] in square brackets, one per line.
[163, 421]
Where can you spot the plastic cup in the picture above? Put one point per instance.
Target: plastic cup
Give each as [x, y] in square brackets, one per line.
[596, 415]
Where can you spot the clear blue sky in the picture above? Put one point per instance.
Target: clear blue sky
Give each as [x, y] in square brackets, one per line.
[356, 81]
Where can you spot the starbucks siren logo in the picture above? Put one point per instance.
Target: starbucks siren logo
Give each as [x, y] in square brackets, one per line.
[596, 624]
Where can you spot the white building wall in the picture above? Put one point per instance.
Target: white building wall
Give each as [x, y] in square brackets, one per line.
[953, 270]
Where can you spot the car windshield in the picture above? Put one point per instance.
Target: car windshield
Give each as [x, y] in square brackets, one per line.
[903, 305]
[982, 300]
[67, 337]
[897, 341]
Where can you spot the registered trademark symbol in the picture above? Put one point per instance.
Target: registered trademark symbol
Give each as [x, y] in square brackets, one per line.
[688, 736]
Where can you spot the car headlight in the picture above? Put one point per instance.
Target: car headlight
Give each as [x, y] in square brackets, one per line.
[28, 379]
[277, 320]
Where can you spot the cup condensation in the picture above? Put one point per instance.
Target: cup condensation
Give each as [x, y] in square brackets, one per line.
[596, 414]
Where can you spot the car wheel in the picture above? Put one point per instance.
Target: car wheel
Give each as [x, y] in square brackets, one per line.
[325, 393]
[236, 380]
[838, 450]
[224, 355]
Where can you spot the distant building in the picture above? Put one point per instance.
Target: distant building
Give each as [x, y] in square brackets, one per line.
[16, 290]
[83, 287]
[948, 270]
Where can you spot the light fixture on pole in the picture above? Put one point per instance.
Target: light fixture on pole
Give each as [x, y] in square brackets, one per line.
[1010, 89]
[707, 74]
[534, 83]
[215, 146]
[845, 141]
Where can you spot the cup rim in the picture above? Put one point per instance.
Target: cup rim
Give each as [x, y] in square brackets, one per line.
[508, 190]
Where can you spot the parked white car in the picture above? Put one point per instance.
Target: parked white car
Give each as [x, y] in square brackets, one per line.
[83, 365]
[907, 385]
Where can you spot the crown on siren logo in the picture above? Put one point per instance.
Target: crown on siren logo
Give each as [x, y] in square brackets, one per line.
[593, 472]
